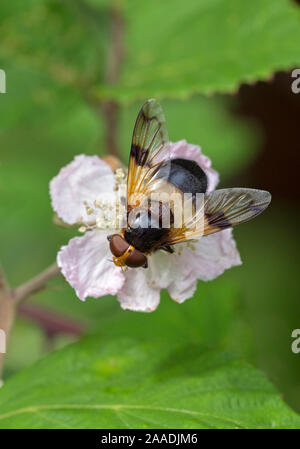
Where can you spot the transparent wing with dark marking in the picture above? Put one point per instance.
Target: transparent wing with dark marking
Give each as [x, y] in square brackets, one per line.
[149, 152]
[220, 210]
[230, 207]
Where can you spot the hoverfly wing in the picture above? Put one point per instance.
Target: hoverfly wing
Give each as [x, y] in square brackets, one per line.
[150, 133]
[148, 151]
[225, 208]
[222, 209]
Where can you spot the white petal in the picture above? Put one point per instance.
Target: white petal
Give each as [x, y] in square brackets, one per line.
[84, 179]
[137, 293]
[182, 149]
[141, 291]
[205, 259]
[162, 269]
[213, 254]
[86, 264]
[185, 283]
[172, 272]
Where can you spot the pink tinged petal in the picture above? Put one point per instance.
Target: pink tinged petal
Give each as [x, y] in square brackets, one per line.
[141, 291]
[84, 179]
[213, 254]
[162, 269]
[86, 264]
[183, 288]
[182, 149]
[184, 283]
[174, 273]
[137, 294]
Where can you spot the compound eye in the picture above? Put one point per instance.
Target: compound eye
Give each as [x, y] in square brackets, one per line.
[136, 259]
[118, 245]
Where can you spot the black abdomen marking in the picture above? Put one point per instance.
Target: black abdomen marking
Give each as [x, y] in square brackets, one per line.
[185, 175]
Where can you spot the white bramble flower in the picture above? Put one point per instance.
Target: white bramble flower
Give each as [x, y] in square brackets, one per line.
[84, 193]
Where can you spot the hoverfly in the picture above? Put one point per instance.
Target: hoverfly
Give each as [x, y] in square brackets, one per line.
[152, 171]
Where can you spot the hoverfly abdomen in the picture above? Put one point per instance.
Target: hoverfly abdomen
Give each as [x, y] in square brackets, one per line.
[186, 175]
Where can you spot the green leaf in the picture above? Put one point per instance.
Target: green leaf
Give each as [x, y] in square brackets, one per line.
[67, 41]
[176, 48]
[125, 384]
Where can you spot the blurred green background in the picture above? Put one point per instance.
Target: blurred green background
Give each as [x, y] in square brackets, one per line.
[211, 64]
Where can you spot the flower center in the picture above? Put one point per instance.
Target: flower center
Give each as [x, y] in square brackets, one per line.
[108, 211]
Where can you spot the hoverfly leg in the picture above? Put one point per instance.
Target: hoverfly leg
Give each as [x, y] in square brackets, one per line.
[145, 264]
[167, 248]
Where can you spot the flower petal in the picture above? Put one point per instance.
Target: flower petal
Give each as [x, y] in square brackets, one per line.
[213, 254]
[205, 259]
[162, 269]
[85, 264]
[171, 271]
[137, 293]
[84, 179]
[184, 283]
[182, 149]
